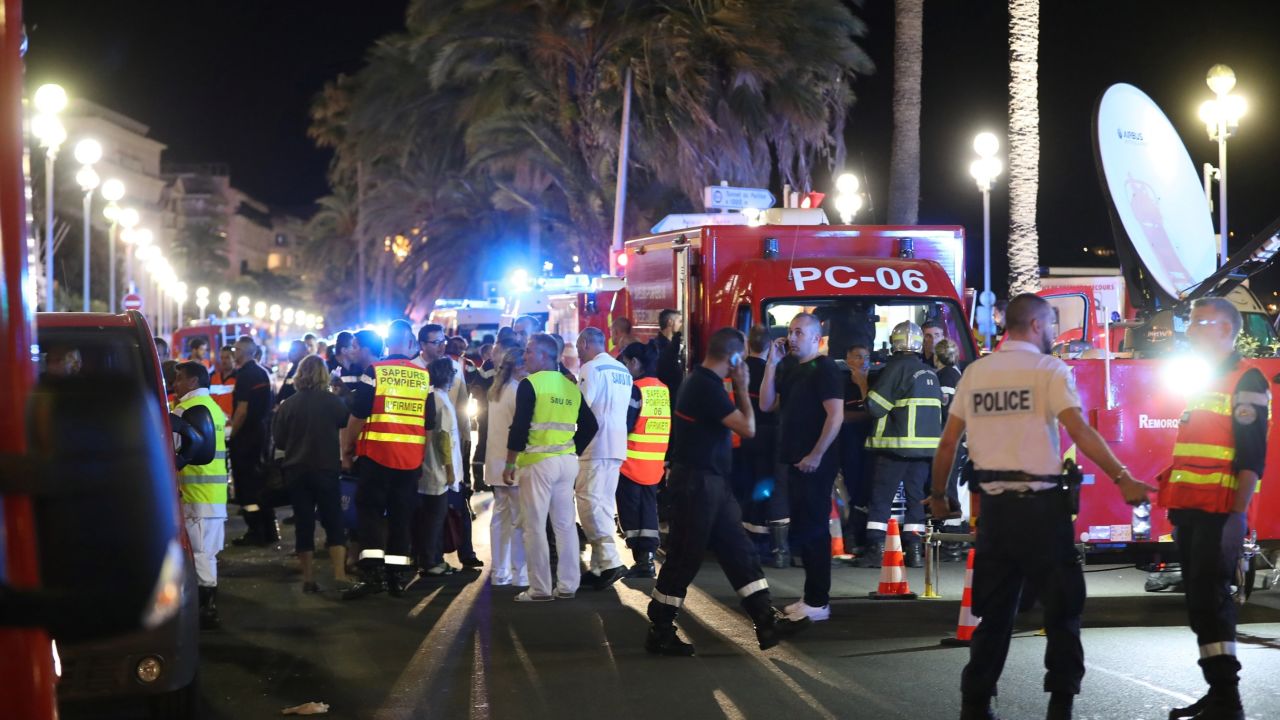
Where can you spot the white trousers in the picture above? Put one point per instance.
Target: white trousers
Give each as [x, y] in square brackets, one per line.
[506, 539]
[206, 535]
[596, 490]
[546, 488]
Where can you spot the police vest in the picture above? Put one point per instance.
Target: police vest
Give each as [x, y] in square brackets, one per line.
[395, 434]
[555, 418]
[1203, 475]
[910, 417]
[205, 486]
[647, 444]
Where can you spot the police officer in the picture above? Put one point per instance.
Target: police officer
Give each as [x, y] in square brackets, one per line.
[906, 402]
[203, 483]
[1218, 458]
[389, 421]
[704, 512]
[1011, 403]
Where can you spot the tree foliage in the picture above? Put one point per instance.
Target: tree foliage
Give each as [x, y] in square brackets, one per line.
[493, 125]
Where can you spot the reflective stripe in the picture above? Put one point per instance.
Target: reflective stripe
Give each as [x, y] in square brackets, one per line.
[877, 526]
[667, 599]
[1253, 398]
[221, 389]
[758, 529]
[752, 588]
[640, 533]
[913, 527]
[655, 439]
[252, 508]
[1217, 648]
[918, 402]
[566, 427]
[878, 399]
[1204, 450]
[202, 479]
[567, 447]
[349, 378]
[642, 455]
[396, 437]
[397, 419]
[906, 443]
[371, 554]
[1225, 479]
[396, 559]
[368, 380]
[205, 510]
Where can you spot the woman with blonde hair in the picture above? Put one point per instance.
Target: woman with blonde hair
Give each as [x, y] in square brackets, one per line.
[306, 429]
[506, 537]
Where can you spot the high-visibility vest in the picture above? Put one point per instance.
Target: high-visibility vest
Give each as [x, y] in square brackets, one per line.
[555, 418]
[395, 434]
[647, 443]
[205, 486]
[220, 389]
[1203, 475]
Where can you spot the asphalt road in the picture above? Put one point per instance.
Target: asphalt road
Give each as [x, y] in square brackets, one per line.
[460, 648]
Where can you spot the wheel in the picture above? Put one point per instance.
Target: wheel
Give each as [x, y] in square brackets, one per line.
[181, 704]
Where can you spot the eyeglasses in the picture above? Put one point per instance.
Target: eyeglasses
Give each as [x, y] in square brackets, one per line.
[437, 342]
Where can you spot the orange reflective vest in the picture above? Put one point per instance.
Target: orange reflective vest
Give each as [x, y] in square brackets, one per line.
[395, 434]
[1203, 475]
[220, 389]
[647, 442]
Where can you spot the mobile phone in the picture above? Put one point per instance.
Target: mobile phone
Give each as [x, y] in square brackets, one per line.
[735, 360]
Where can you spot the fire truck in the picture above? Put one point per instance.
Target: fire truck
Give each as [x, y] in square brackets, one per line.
[218, 332]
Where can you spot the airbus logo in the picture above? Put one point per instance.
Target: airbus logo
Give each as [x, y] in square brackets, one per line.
[1132, 136]
[1147, 422]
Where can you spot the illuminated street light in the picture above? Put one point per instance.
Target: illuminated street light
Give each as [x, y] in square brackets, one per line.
[1221, 117]
[113, 193]
[224, 303]
[242, 305]
[848, 201]
[87, 152]
[984, 171]
[202, 300]
[260, 310]
[48, 130]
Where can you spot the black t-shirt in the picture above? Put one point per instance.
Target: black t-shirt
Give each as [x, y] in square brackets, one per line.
[253, 386]
[287, 389]
[698, 437]
[755, 367]
[948, 379]
[804, 387]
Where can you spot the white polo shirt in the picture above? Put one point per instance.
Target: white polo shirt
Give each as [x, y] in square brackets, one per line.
[1010, 402]
[606, 389]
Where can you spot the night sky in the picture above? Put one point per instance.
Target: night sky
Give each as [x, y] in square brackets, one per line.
[230, 81]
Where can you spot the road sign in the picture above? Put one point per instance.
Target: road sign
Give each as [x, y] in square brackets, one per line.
[132, 301]
[723, 197]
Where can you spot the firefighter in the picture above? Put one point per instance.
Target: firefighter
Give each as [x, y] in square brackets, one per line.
[1217, 461]
[1011, 404]
[906, 401]
[606, 387]
[222, 381]
[551, 425]
[649, 420]
[203, 486]
[704, 512]
[251, 399]
[390, 418]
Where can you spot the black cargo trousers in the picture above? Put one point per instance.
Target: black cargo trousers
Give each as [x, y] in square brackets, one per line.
[1025, 540]
[1208, 571]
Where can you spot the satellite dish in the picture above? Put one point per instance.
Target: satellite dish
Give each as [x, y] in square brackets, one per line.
[1162, 221]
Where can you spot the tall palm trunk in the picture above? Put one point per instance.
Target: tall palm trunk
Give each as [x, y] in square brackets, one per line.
[360, 241]
[904, 163]
[1024, 145]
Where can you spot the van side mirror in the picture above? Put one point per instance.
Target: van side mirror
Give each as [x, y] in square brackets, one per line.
[106, 511]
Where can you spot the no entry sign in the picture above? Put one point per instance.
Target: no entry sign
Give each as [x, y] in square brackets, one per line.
[132, 301]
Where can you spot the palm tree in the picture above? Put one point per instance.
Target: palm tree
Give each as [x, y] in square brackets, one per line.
[904, 162]
[200, 248]
[1024, 145]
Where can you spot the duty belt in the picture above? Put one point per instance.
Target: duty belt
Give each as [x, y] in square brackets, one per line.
[1015, 476]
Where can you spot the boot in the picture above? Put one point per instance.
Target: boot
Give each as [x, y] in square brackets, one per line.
[772, 625]
[1060, 706]
[269, 525]
[1222, 703]
[977, 711]
[395, 586]
[914, 555]
[253, 533]
[873, 557]
[208, 608]
[781, 546]
[663, 640]
[643, 567]
[1190, 711]
[370, 583]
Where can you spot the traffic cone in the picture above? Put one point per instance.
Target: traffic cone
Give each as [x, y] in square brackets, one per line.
[837, 535]
[967, 622]
[893, 572]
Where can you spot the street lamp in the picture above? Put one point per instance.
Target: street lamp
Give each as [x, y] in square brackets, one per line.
[88, 151]
[180, 296]
[848, 201]
[1221, 117]
[127, 218]
[260, 310]
[113, 193]
[224, 303]
[202, 300]
[49, 101]
[242, 305]
[984, 171]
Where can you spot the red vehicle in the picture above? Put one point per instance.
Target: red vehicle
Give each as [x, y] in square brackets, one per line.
[217, 332]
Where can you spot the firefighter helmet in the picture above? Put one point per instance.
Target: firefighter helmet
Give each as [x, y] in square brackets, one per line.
[906, 337]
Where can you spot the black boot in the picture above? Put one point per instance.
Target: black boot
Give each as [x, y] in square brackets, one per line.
[643, 568]
[662, 638]
[781, 545]
[370, 583]
[253, 533]
[270, 526]
[914, 555]
[208, 608]
[976, 710]
[1190, 711]
[1222, 703]
[1060, 706]
[873, 557]
[395, 586]
[770, 623]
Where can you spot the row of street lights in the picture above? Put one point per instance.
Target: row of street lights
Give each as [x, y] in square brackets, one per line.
[246, 307]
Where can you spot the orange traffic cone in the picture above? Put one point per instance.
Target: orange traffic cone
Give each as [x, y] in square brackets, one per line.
[893, 572]
[967, 622]
[837, 535]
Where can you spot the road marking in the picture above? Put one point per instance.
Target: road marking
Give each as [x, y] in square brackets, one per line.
[1184, 699]
[480, 681]
[422, 605]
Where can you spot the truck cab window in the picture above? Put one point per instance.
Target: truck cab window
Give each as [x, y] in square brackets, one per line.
[869, 321]
[743, 321]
